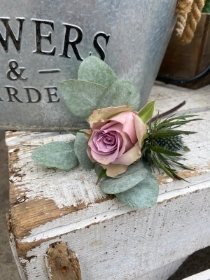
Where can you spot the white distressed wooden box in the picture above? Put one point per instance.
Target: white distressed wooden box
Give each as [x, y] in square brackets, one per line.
[106, 240]
[204, 275]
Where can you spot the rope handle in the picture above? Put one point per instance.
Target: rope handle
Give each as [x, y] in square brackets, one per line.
[188, 17]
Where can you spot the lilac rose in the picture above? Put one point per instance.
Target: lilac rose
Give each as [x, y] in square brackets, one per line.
[115, 138]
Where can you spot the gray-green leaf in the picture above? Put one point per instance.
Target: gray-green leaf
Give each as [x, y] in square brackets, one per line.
[143, 195]
[147, 111]
[134, 174]
[121, 93]
[94, 70]
[80, 149]
[56, 154]
[98, 169]
[81, 97]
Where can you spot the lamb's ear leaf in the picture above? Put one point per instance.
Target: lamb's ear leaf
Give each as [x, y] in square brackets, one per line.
[134, 174]
[94, 70]
[143, 195]
[56, 154]
[80, 149]
[147, 111]
[121, 93]
[81, 97]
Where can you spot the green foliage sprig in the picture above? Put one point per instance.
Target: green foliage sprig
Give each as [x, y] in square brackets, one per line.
[166, 157]
[161, 144]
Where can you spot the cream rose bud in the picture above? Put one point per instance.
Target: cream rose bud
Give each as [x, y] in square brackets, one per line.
[115, 138]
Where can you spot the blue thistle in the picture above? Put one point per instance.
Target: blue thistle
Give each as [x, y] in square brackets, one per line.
[172, 143]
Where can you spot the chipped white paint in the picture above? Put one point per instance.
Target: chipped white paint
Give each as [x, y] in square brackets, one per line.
[136, 243]
[37, 137]
[163, 272]
[61, 193]
[111, 240]
[39, 182]
[204, 275]
[15, 255]
[92, 214]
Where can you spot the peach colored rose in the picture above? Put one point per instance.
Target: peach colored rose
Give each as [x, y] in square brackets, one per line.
[115, 138]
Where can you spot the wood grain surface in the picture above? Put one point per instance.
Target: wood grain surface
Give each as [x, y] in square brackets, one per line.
[187, 61]
[49, 205]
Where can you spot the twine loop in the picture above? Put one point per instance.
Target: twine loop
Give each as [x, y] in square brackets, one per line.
[188, 17]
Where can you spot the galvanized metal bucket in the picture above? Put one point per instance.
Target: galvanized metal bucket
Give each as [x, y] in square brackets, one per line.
[43, 42]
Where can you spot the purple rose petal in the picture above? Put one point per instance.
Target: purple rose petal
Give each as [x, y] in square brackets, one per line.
[116, 141]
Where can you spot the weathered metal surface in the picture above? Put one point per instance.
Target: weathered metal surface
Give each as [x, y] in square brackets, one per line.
[43, 43]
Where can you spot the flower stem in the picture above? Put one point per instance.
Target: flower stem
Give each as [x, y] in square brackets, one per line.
[171, 111]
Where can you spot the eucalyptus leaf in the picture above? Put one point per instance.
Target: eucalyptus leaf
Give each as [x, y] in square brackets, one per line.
[134, 174]
[80, 149]
[147, 111]
[121, 93]
[143, 195]
[135, 167]
[81, 97]
[56, 154]
[94, 70]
